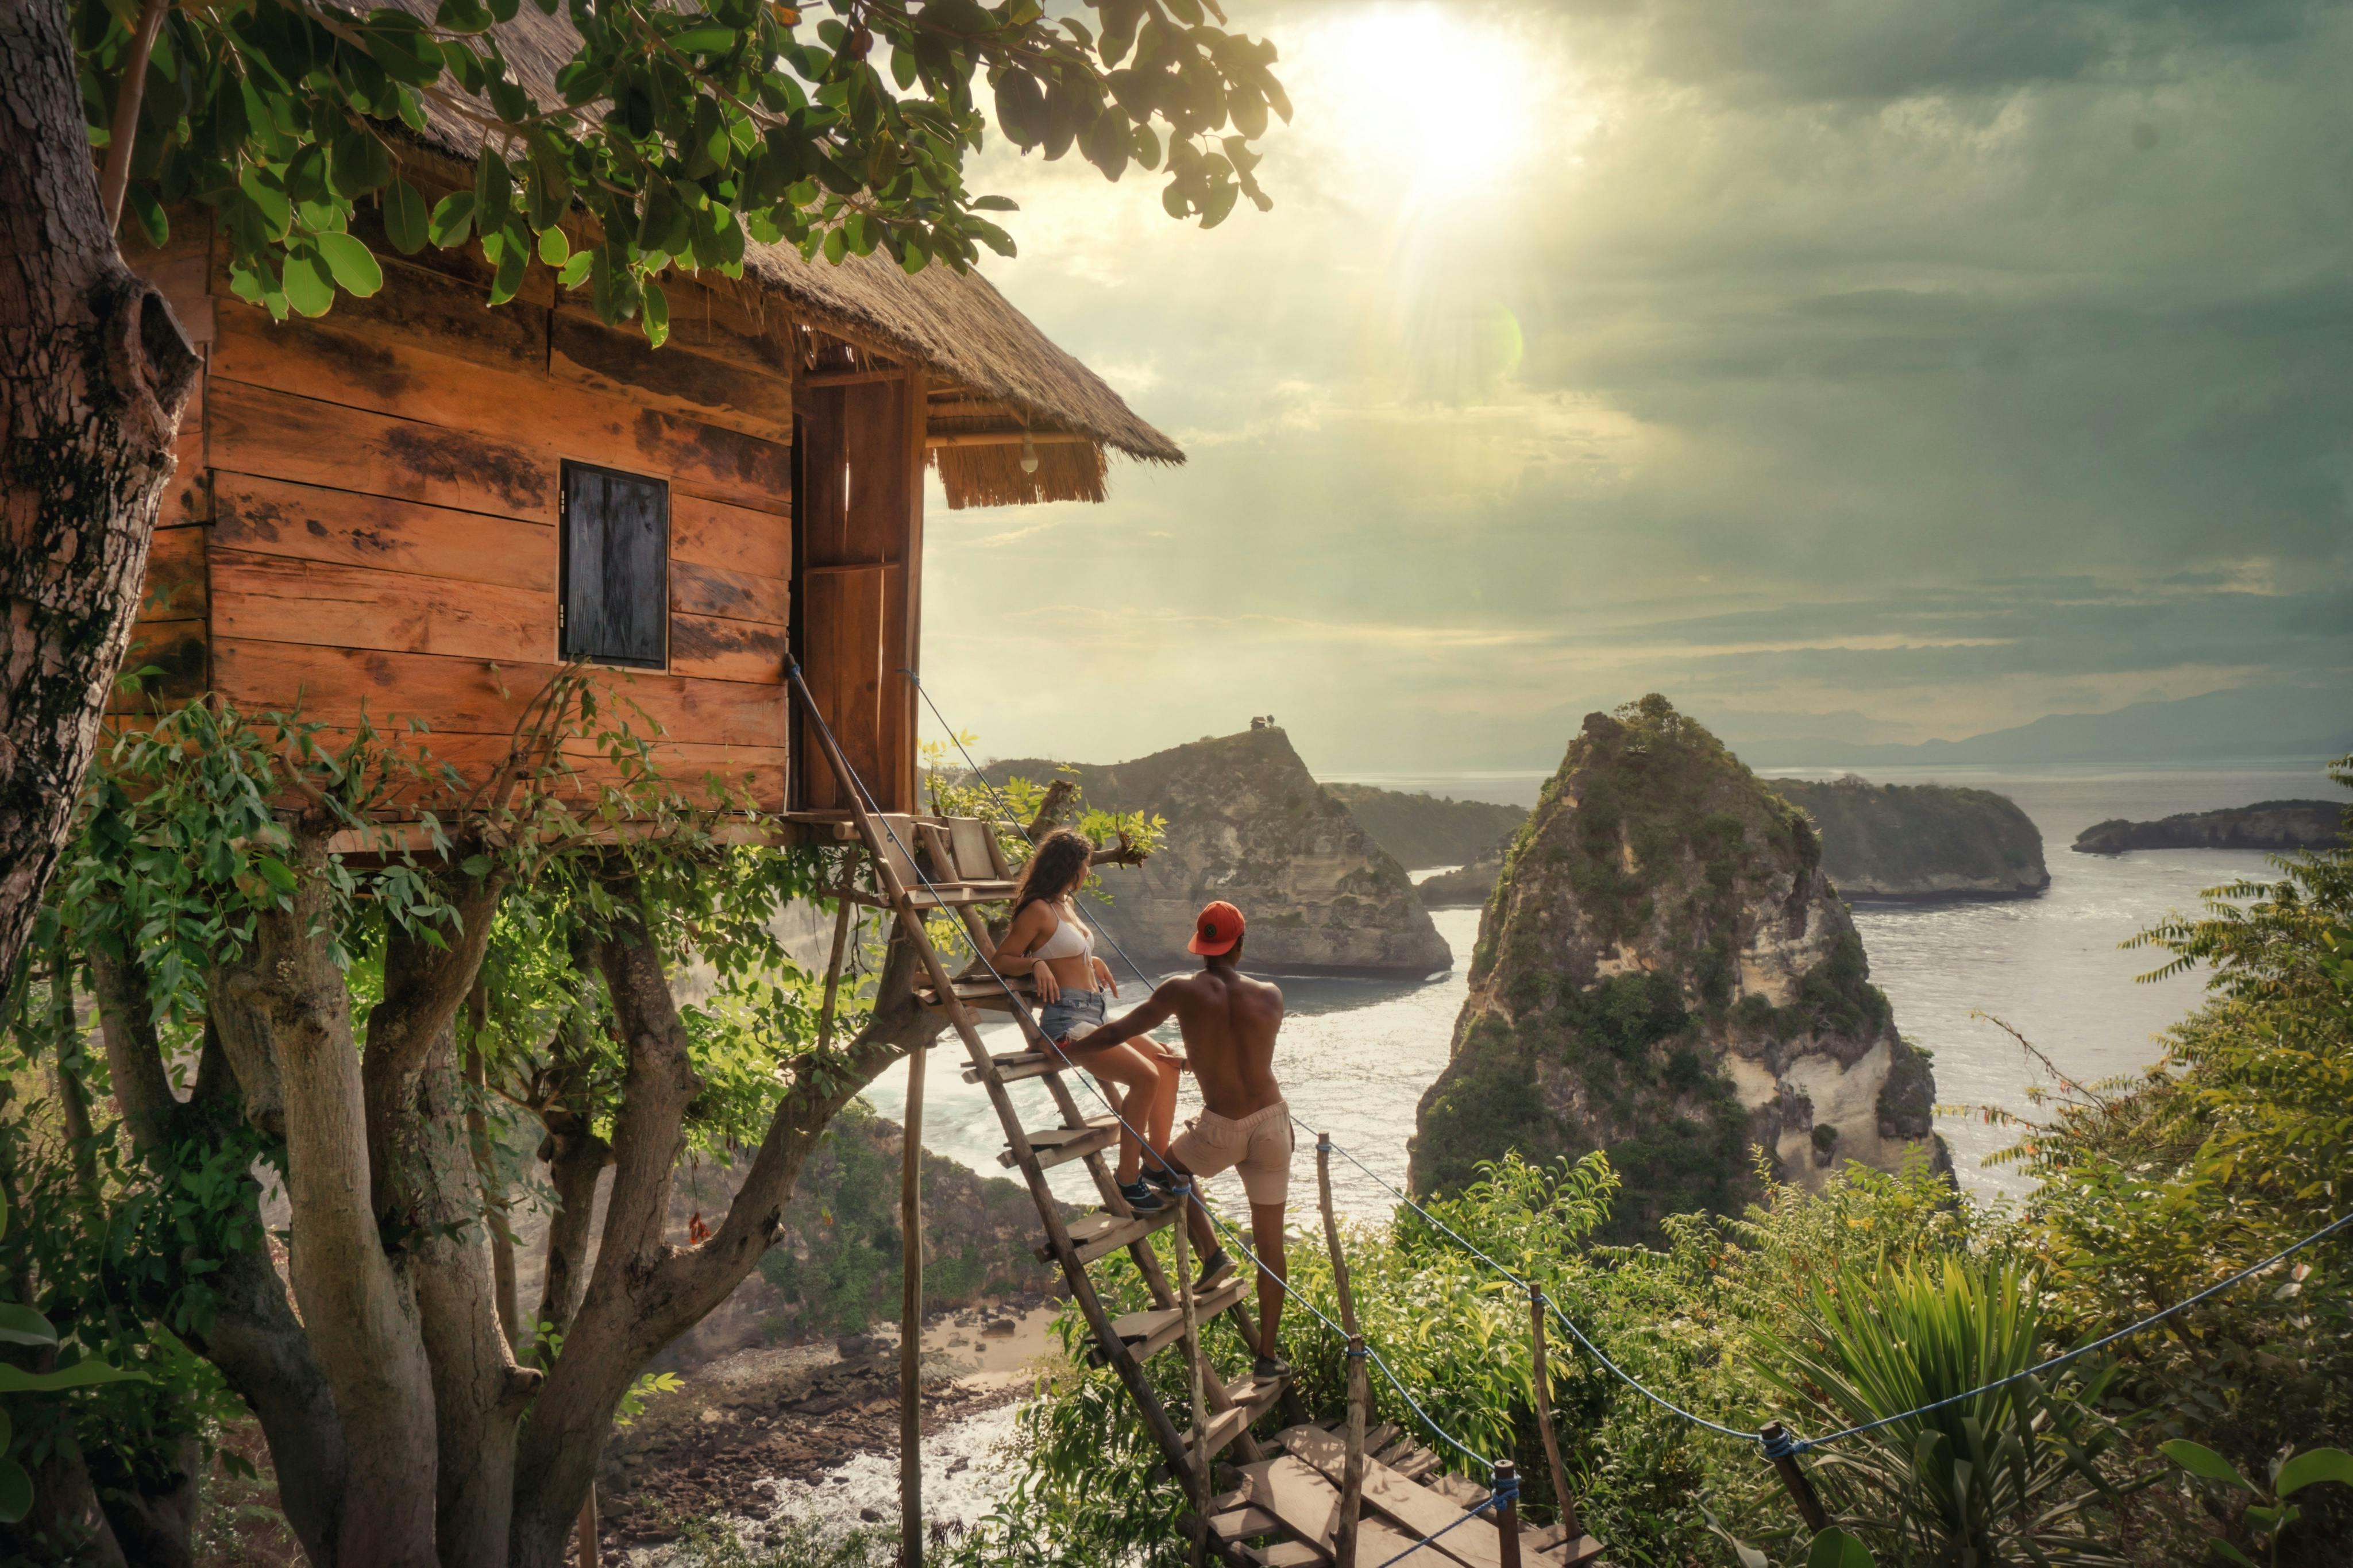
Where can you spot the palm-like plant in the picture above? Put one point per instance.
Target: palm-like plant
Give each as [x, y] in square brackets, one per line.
[2010, 1475]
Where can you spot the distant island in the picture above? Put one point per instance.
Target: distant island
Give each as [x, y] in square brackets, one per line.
[2282, 827]
[1879, 841]
[1422, 829]
[1921, 841]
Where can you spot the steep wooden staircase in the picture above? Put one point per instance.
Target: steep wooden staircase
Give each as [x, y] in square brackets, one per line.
[950, 867]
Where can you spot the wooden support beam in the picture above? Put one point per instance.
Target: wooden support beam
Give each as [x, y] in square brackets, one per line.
[910, 1318]
[1006, 438]
[853, 377]
[1360, 1391]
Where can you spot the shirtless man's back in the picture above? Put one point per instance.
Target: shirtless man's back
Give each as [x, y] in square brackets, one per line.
[1229, 1022]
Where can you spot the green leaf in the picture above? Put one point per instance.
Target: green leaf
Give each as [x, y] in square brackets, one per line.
[2230, 1554]
[553, 248]
[81, 1375]
[575, 268]
[453, 220]
[1834, 1548]
[360, 163]
[150, 213]
[269, 198]
[24, 1326]
[704, 39]
[2315, 1465]
[405, 218]
[657, 305]
[308, 286]
[2204, 1461]
[351, 265]
[16, 1492]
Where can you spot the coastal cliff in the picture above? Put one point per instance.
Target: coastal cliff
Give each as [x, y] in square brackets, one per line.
[1247, 823]
[1426, 829]
[1921, 841]
[2282, 827]
[1470, 883]
[1665, 972]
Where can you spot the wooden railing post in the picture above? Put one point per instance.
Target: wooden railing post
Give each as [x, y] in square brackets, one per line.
[1360, 1388]
[1544, 1413]
[1800, 1490]
[911, 1318]
[1196, 1481]
[1507, 1512]
[585, 1553]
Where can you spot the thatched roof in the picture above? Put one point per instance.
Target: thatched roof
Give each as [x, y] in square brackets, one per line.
[957, 327]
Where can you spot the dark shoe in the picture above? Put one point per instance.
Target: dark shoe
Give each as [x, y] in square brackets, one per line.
[1214, 1269]
[1167, 1181]
[1141, 1198]
[1271, 1369]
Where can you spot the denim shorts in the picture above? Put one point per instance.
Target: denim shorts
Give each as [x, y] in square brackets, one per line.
[1071, 1013]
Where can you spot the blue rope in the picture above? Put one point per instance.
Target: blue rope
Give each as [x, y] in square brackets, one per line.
[874, 809]
[1574, 1333]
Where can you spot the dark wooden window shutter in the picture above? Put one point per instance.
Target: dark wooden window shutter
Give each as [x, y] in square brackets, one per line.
[616, 568]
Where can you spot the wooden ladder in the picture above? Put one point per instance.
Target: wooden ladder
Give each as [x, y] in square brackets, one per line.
[1124, 1343]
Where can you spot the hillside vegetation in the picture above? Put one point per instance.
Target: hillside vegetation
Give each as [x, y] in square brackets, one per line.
[1921, 840]
[1422, 829]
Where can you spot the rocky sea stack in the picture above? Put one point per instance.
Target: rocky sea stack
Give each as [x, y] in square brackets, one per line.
[2281, 826]
[1665, 972]
[1248, 823]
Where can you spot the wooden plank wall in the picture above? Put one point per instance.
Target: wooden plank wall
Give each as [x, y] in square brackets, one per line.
[378, 534]
[861, 539]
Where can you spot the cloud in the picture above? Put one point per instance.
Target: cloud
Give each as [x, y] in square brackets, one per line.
[1943, 363]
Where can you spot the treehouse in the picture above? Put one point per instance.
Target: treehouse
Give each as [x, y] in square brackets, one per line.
[421, 508]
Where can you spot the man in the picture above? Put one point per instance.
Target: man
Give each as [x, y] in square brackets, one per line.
[1229, 1022]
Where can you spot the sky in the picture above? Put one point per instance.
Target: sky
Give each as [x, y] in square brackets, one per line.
[1879, 370]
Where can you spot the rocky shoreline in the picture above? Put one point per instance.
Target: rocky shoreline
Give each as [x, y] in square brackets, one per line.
[750, 1430]
[2281, 826]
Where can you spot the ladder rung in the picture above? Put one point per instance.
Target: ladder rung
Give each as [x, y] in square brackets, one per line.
[957, 894]
[1014, 1066]
[1148, 1333]
[981, 992]
[1052, 1146]
[1225, 1425]
[1102, 1233]
[1256, 1394]
[1243, 1523]
[1285, 1555]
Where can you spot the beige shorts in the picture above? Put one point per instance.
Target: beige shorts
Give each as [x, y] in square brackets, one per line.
[1258, 1147]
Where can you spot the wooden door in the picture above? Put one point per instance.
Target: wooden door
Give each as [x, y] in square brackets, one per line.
[857, 504]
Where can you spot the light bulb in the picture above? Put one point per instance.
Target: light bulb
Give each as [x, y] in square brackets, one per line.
[1028, 454]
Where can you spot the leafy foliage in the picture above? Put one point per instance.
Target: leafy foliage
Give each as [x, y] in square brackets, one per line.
[679, 133]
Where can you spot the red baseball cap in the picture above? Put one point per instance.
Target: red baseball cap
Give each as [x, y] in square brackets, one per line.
[1218, 929]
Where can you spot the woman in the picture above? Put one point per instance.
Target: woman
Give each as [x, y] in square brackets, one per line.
[1048, 942]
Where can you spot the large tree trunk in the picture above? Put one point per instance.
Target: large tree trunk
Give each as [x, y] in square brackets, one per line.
[285, 996]
[94, 371]
[253, 1337]
[645, 1292]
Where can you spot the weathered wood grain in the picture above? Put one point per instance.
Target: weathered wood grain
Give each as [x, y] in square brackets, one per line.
[475, 696]
[735, 391]
[169, 660]
[733, 538]
[698, 590]
[398, 376]
[314, 523]
[281, 436]
[721, 649]
[278, 598]
[175, 577]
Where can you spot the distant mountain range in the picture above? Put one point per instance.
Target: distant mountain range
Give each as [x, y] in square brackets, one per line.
[2218, 727]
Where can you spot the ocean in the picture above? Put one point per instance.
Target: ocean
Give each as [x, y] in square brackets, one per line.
[1356, 1054]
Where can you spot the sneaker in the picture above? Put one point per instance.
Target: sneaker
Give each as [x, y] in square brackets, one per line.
[1167, 1181]
[1214, 1269]
[1141, 1198]
[1271, 1369]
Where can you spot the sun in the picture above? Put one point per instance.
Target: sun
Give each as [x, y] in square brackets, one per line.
[1433, 101]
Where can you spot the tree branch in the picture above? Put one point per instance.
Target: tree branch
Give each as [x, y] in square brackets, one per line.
[128, 97]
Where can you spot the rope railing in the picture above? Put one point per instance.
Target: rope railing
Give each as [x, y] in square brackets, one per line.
[1777, 1443]
[873, 808]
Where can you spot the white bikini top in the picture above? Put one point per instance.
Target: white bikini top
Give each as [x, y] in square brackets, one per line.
[1068, 939]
